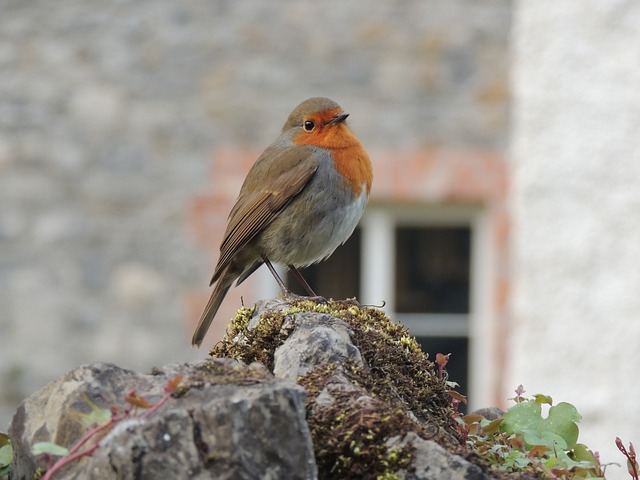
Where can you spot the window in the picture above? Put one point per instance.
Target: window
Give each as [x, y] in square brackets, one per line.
[432, 291]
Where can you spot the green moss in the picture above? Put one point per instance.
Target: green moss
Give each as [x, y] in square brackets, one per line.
[348, 436]
[252, 344]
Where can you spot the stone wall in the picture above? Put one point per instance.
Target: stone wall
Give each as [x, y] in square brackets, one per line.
[576, 212]
[110, 112]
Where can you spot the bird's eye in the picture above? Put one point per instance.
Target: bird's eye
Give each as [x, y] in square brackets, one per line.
[308, 125]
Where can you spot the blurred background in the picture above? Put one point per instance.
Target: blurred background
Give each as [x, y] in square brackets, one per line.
[504, 223]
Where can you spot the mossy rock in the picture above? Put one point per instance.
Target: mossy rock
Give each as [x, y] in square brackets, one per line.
[397, 390]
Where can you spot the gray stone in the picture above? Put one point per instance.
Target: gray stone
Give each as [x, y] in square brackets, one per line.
[317, 339]
[432, 462]
[269, 305]
[232, 422]
[490, 413]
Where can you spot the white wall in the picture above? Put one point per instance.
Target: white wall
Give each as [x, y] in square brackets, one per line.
[575, 156]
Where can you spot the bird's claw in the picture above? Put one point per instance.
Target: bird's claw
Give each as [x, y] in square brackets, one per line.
[288, 295]
[353, 302]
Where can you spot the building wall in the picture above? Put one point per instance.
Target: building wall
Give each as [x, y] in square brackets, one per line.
[111, 114]
[575, 149]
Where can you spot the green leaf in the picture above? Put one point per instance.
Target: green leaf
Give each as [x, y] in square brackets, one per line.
[97, 416]
[521, 461]
[551, 463]
[546, 438]
[39, 448]
[522, 417]
[540, 398]
[572, 463]
[4, 472]
[582, 454]
[562, 420]
[559, 428]
[6, 455]
[4, 439]
[491, 427]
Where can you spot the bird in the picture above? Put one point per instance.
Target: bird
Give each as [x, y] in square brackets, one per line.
[302, 198]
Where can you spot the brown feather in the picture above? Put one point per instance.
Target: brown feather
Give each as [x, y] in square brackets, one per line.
[252, 214]
[210, 310]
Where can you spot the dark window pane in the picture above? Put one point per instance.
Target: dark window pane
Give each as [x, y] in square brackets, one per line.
[338, 277]
[432, 269]
[457, 368]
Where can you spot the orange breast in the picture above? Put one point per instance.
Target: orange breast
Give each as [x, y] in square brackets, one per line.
[351, 160]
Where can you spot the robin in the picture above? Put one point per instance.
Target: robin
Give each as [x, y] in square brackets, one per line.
[301, 199]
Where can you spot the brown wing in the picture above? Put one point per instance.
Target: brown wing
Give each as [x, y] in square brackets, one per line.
[257, 207]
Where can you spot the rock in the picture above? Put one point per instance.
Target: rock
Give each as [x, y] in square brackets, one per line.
[267, 306]
[432, 462]
[490, 413]
[317, 340]
[368, 404]
[231, 421]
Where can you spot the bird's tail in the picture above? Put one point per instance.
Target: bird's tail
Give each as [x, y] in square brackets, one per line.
[219, 292]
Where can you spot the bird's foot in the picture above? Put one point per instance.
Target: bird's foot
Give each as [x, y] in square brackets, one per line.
[352, 302]
[289, 295]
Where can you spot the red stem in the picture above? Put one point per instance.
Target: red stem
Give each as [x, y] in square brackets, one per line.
[68, 459]
[97, 430]
[162, 401]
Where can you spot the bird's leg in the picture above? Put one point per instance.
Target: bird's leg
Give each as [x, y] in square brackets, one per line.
[302, 281]
[288, 293]
[281, 284]
[312, 295]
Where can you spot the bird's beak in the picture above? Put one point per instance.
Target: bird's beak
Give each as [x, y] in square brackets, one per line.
[341, 117]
